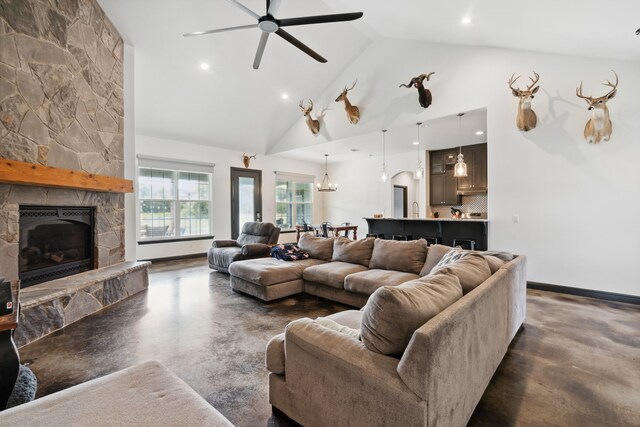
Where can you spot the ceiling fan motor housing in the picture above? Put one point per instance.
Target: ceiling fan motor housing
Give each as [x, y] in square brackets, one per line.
[267, 24]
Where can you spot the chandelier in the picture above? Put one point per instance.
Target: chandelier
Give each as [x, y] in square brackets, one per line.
[326, 182]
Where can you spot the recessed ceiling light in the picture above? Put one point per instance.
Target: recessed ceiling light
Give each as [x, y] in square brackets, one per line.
[466, 20]
[284, 96]
[204, 66]
[355, 150]
[480, 132]
[416, 143]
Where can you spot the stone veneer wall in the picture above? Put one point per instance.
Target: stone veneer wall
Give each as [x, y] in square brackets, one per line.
[61, 105]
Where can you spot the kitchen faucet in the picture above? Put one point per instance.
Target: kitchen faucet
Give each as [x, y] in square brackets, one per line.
[416, 210]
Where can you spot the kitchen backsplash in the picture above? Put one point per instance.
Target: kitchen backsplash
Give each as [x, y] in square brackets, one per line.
[476, 203]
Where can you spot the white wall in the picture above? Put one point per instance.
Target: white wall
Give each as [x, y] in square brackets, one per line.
[223, 159]
[578, 204]
[130, 245]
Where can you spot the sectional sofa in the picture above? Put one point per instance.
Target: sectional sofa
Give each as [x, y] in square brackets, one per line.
[435, 324]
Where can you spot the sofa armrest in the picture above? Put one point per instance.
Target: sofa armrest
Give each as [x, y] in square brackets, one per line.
[333, 377]
[451, 358]
[255, 249]
[340, 351]
[224, 243]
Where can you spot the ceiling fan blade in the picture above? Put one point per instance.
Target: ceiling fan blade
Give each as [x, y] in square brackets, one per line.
[261, 45]
[273, 6]
[244, 8]
[319, 19]
[220, 30]
[297, 43]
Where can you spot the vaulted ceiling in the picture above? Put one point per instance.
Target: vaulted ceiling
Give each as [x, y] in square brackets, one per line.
[233, 106]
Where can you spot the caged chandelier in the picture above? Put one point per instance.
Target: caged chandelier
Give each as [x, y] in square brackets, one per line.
[326, 182]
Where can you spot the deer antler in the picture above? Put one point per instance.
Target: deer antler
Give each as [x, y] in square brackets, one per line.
[352, 86]
[533, 81]
[304, 109]
[611, 85]
[580, 95]
[512, 81]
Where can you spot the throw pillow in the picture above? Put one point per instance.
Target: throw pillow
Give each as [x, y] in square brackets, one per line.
[393, 313]
[333, 325]
[353, 251]
[494, 262]
[472, 269]
[317, 247]
[406, 256]
[434, 255]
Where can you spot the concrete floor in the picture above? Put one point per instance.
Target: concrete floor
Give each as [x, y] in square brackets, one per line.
[576, 362]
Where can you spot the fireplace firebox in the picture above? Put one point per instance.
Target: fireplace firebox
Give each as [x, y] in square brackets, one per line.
[55, 241]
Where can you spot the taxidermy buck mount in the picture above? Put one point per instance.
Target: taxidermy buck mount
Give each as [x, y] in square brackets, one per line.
[314, 125]
[424, 95]
[246, 160]
[599, 125]
[526, 118]
[353, 113]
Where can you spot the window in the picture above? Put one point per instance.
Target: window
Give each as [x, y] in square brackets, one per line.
[294, 200]
[174, 199]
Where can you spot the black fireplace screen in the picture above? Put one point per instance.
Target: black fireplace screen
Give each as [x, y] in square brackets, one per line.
[54, 242]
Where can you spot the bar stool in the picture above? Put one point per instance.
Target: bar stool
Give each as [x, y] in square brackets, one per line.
[432, 240]
[469, 244]
[402, 237]
[378, 235]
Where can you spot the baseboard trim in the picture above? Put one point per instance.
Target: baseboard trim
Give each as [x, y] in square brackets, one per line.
[609, 296]
[177, 258]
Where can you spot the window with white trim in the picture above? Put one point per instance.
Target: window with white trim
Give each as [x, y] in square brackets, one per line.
[174, 199]
[294, 200]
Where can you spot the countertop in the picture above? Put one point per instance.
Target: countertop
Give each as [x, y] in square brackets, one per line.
[433, 219]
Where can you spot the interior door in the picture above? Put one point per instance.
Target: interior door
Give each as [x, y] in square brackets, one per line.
[246, 198]
[399, 201]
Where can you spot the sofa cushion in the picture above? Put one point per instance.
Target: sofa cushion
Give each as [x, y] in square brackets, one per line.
[350, 318]
[434, 255]
[353, 251]
[366, 282]
[335, 326]
[274, 355]
[452, 255]
[494, 262]
[223, 257]
[271, 271]
[393, 313]
[407, 256]
[471, 270]
[317, 247]
[332, 273]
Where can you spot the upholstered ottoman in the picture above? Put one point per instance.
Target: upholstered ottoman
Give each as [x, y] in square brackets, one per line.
[269, 278]
[143, 395]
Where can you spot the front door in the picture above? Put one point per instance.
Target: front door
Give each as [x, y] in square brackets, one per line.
[246, 198]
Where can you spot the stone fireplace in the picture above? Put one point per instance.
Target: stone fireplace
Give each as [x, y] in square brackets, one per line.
[55, 242]
[62, 121]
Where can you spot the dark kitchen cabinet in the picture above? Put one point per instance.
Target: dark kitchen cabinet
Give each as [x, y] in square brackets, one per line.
[443, 189]
[475, 156]
[442, 161]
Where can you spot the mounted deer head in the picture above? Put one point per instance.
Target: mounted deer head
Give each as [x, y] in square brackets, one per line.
[247, 159]
[353, 113]
[314, 125]
[599, 125]
[424, 95]
[526, 118]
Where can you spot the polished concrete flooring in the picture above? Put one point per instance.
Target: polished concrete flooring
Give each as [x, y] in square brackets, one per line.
[575, 363]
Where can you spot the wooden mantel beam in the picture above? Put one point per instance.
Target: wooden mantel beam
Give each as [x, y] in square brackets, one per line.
[21, 173]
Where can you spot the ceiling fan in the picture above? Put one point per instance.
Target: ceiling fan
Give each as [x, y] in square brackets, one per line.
[269, 24]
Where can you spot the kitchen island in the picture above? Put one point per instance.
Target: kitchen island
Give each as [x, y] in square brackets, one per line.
[443, 230]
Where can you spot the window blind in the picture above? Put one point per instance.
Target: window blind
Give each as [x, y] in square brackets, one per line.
[296, 177]
[162, 163]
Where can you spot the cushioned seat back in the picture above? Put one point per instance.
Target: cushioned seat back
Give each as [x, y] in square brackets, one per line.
[256, 232]
[407, 256]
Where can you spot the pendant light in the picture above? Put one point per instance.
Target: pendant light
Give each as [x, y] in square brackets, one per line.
[384, 176]
[326, 182]
[418, 173]
[460, 170]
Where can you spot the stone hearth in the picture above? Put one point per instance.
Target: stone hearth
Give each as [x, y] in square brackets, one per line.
[50, 306]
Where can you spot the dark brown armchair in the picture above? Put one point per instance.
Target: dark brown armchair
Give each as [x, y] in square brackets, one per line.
[253, 242]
